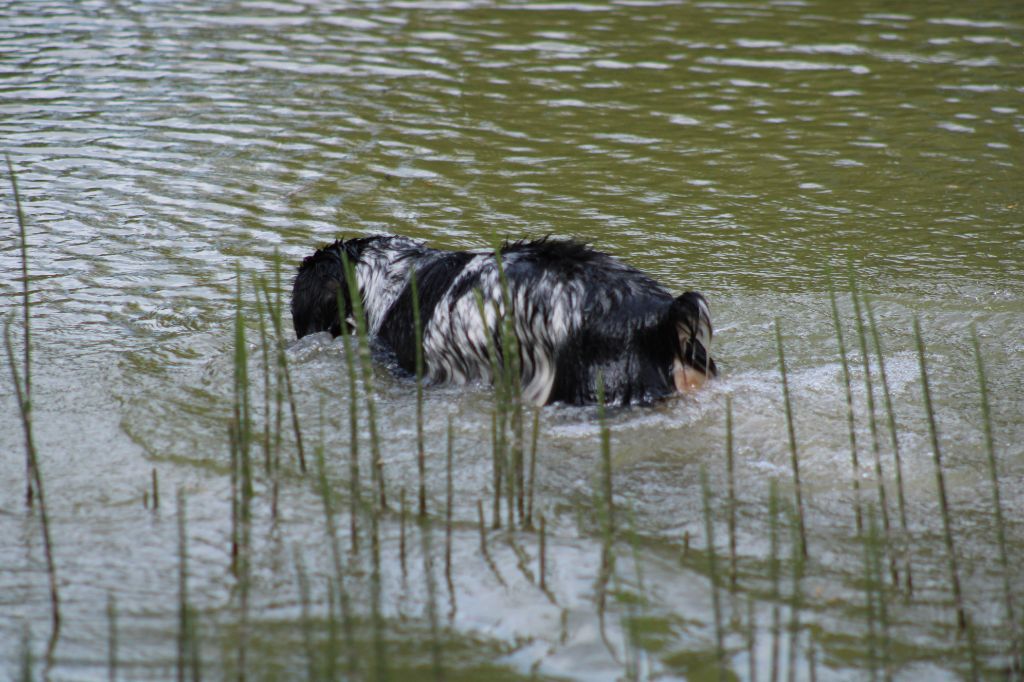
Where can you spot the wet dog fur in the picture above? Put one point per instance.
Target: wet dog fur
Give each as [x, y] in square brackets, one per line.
[577, 314]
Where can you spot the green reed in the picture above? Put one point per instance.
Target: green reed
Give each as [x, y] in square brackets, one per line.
[326, 494]
[501, 402]
[331, 653]
[421, 456]
[23, 392]
[512, 410]
[111, 637]
[402, 514]
[997, 506]
[265, 441]
[850, 420]
[607, 492]
[484, 551]
[895, 444]
[305, 620]
[877, 598]
[791, 430]
[427, 550]
[188, 658]
[366, 367]
[795, 603]
[730, 468]
[716, 605]
[25, 655]
[940, 479]
[774, 571]
[283, 369]
[273, 413]
[870, 602]
[448, 499]
[542, 559]
[355, 492]
[751, 641]
[869, 390]
[155, 484]
[532, 480]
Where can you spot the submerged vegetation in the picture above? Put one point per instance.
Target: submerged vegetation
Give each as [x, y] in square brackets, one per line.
[347, 623]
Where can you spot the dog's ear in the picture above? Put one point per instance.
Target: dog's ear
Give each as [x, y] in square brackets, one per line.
[693, 327]
[316, 291]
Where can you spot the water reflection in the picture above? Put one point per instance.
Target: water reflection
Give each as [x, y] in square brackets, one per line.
[734, 148]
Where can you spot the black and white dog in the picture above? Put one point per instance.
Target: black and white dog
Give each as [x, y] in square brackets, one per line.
[577, 314]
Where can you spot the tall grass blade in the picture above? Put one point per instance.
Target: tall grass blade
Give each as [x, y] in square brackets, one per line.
[774, 574]
[448, 497]
[183, 602]
[355, 491]
[751, 642]
[421, 455]
[402, 514]
[794, 459]
[366, 367]
[265, 441]
[606, 463]
[850, 420]
[940, 479]
[709, 531]
[156, 489]
[111, 637]
[795, 605]
[25, 658]
[730, 467]
[427, 549]
[876, 579]
[531, 482]
[869, 389]
[997, 506]
[895, 444]
[23, 391]
[305, 620]
[483, 544]
[282, 361]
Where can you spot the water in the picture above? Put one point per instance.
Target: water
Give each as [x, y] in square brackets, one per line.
[742, 149]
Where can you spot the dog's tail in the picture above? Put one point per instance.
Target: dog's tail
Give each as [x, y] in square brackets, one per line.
[694, 364]
[321, 279]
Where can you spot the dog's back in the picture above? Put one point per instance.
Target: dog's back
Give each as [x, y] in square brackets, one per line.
[578, 316]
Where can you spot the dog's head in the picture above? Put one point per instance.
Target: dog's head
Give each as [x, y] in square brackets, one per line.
[321, 289]
[693, 364]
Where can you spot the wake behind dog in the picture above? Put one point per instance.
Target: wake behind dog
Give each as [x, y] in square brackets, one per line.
[577, 316]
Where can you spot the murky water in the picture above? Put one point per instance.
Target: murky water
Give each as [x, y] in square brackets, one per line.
[742, 149]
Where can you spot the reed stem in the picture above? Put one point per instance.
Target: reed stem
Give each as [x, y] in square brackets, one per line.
[448, 495]
[111, 637]
[794, 459]
[282, 363]
[709, 531]
[940, 479]
[421, 456]
[730, 466]
[850, 420]
[23, 391]
[895, 444]
[606, 463]
[997, 506]
[773, 571]
[366, 365]
[869, 390]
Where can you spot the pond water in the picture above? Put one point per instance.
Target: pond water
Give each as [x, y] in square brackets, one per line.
[749, 150]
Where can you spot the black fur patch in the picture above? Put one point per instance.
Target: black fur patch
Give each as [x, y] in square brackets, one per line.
[432, 281]
[580, 317]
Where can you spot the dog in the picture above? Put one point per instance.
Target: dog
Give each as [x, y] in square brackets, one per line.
[578, 317]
